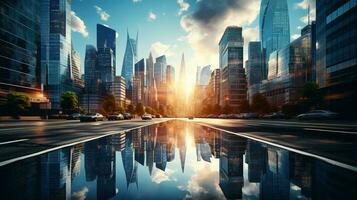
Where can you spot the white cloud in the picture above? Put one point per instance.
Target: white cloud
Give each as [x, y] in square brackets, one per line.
[184, 6]
[78, 25]
[304, 5]
[158, 49]
[151, 16]
[116, 34]
[102, 13]
[81, 194]
[181, 38]
[159, 176]
[136, 1]
[295, 36]
[206, 25]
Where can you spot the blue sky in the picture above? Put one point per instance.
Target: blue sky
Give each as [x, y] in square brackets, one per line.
[172, 26]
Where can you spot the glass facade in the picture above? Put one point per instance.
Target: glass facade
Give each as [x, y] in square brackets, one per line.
[56, 48]
[205, 75]
[274, 27]
[90, 63]
[162, 60]
[233, 80]
[336, 52]
[130, 58]
[19, 47]
[254, 67]
[106, 39]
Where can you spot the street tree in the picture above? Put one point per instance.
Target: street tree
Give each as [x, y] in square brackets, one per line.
[17, 104]
[260, 104]
[130, 109]
[139, 109]
[109, 105]
[69, 102]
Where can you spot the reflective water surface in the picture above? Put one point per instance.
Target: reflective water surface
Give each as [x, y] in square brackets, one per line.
[175, 160]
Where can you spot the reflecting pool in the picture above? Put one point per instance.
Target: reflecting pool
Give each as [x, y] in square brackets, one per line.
[175, 160]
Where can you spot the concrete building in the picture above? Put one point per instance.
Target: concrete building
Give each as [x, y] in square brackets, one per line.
[119, 90]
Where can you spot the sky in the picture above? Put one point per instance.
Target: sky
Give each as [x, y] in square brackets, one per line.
[173, 27]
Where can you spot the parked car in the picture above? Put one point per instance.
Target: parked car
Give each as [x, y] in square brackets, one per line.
[127, 116]
[74, 116]
[116, 117]
[190, 117]
[158, 116]
[318, 114]
[275, 115]
[146, 116]
[250, 115]
[92, 117]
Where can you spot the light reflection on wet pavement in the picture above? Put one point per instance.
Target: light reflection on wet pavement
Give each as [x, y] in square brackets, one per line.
[175, 160]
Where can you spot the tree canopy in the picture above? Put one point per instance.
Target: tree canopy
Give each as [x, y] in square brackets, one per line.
[17, 103]
[69, 102]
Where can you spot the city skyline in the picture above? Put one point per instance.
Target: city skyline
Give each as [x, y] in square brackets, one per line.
[177, 37]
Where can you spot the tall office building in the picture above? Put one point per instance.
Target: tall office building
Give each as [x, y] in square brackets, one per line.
[90, 62]
[106, 56]
[149, 71]
[336, 53]
[274, 27]
[56, 48]
[205, 75]
[162, 61]
[119, 90]
[198, 74]
[130, 58]
[254, 65]
[170, 75]
[158, 73]
[233, 88]
[139, 84]
[76, 75]
[20, 49]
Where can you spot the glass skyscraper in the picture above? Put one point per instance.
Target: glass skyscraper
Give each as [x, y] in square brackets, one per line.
[233, 80]
[205, 75]
[130, 58]
[274, 28]
[162, 60]
[19, 47]
[106, 39]
[56, 48]
[336, 53]
[90, 62]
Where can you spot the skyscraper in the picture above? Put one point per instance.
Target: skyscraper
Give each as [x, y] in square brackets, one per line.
[162, 60]
[19, 57]
[130, 58]
[139, 85]
[106, 56]
[170, 75]
[205, 75]
[56, 48]
[76, 75]
[149, 70]
[119, 90]
[90, 62]
[233, 88]
[274, 28]
[254, 67]
[336, 53]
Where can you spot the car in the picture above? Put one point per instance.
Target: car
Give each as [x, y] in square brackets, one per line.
[127, 116]
[275, 115]
[158, 116]
[146, 117]
[190, 117]
[90, 117]
[74, 116]
[250, 115]
[318, 114]
[115, 117]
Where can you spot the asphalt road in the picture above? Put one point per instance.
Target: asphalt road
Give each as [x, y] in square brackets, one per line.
[333, 140]
[330, 139]
[21, 139]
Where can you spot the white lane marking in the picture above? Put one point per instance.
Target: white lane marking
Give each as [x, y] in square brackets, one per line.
[5, 162]
[328, 160]
[12, 141]
[326, 130]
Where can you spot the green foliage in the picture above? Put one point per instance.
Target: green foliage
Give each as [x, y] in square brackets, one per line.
[17, 104]
[120, 109]
[260, 104]
[139, 109]
[109, 105]
[131, 109]
[69, 102]
[312, 97]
